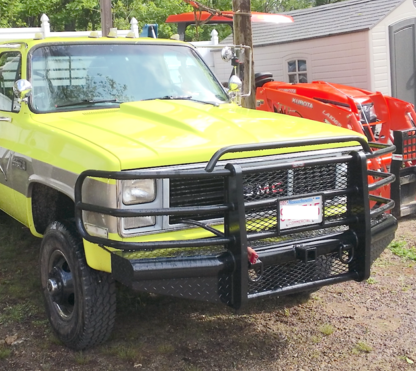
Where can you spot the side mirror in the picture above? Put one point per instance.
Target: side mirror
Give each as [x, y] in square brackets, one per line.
[235, 84]
[21, 89]
[227, 54]
[234, 89]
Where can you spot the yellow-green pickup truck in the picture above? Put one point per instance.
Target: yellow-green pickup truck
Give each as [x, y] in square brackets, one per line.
[128, 158]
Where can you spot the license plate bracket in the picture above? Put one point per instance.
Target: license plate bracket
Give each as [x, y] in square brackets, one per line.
[299, 212]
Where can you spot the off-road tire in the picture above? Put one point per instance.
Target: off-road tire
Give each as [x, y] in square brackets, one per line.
[80, 302]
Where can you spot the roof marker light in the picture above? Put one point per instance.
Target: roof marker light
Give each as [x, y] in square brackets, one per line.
[112, 33]
[39, 36]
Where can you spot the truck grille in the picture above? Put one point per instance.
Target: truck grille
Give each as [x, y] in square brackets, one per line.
[196, 192]
[259, 186]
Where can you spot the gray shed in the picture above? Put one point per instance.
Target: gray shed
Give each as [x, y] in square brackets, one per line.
[369, 44]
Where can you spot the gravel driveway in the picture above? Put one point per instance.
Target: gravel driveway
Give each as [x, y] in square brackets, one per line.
[349, 326]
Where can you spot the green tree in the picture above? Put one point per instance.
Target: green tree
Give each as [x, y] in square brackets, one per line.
[9, 12]
[279, 6]
[85, 14]
[324, 2]
[146, 11]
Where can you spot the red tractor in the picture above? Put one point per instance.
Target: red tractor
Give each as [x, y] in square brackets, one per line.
[382, 119]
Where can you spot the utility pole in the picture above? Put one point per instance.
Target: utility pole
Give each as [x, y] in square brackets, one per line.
[106, 19]
[243, 36]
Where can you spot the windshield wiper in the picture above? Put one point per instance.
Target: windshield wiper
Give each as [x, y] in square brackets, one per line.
[182, 97]
[171, 97]
[86, 102]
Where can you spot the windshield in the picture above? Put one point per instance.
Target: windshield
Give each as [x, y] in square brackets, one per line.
[104, 75]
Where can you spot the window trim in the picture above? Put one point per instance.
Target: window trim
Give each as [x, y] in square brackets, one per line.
[297, 73]
[18, 75]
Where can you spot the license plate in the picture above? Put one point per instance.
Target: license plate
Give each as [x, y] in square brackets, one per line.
[299, 212]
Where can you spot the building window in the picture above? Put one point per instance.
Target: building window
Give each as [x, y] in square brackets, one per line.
[297, 71]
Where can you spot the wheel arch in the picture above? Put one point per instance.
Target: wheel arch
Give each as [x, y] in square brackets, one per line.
[47, 204]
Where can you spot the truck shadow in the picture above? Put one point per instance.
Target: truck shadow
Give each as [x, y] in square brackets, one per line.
[202, 333]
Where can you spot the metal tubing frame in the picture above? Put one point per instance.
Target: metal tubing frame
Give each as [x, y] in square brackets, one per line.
[235, 239]
[229, 173]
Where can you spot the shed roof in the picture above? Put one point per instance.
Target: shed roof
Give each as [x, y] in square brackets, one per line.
[325, 20]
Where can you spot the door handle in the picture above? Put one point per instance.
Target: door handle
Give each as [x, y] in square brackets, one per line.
[8, 119]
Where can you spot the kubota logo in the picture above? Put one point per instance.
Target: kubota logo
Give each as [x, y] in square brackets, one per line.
[302, 103]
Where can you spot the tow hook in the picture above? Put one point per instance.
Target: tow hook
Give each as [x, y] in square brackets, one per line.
[346, 258]
[255, 266]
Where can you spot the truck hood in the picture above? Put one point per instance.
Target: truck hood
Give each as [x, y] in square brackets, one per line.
[159, 133]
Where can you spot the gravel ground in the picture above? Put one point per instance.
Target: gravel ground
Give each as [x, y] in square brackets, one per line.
[350, 326]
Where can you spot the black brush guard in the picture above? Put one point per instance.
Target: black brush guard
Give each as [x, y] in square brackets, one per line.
[403, 191]
[290, 260]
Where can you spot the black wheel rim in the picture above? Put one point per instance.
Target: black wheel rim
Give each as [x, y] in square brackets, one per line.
[60, 285]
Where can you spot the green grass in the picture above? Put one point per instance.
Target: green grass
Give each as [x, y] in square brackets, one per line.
[4, 352]
[400, 248]
[20, 298]
[315, 339]
[18, 313]
[40, 323]
[326, 329]
[81, 358]
[192, 368]
[52, 339]
[363, 347]
[165, 349]
[130, 353]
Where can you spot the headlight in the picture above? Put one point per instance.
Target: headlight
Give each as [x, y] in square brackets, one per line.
[138, 191]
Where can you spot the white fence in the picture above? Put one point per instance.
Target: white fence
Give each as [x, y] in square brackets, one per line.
[45, 31]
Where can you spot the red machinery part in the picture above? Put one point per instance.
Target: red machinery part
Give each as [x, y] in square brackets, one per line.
[377, 116]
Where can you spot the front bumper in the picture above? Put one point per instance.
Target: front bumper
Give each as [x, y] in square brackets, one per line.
[281, 269]
[341, 247]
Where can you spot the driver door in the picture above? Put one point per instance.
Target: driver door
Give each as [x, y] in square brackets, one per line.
[10, 71]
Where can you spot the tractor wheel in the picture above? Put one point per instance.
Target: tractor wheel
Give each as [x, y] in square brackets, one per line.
[262, 77]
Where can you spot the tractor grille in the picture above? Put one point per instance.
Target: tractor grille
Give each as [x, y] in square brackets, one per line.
[409, 145]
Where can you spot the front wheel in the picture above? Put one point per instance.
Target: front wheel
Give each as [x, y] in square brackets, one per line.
[80, 301]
